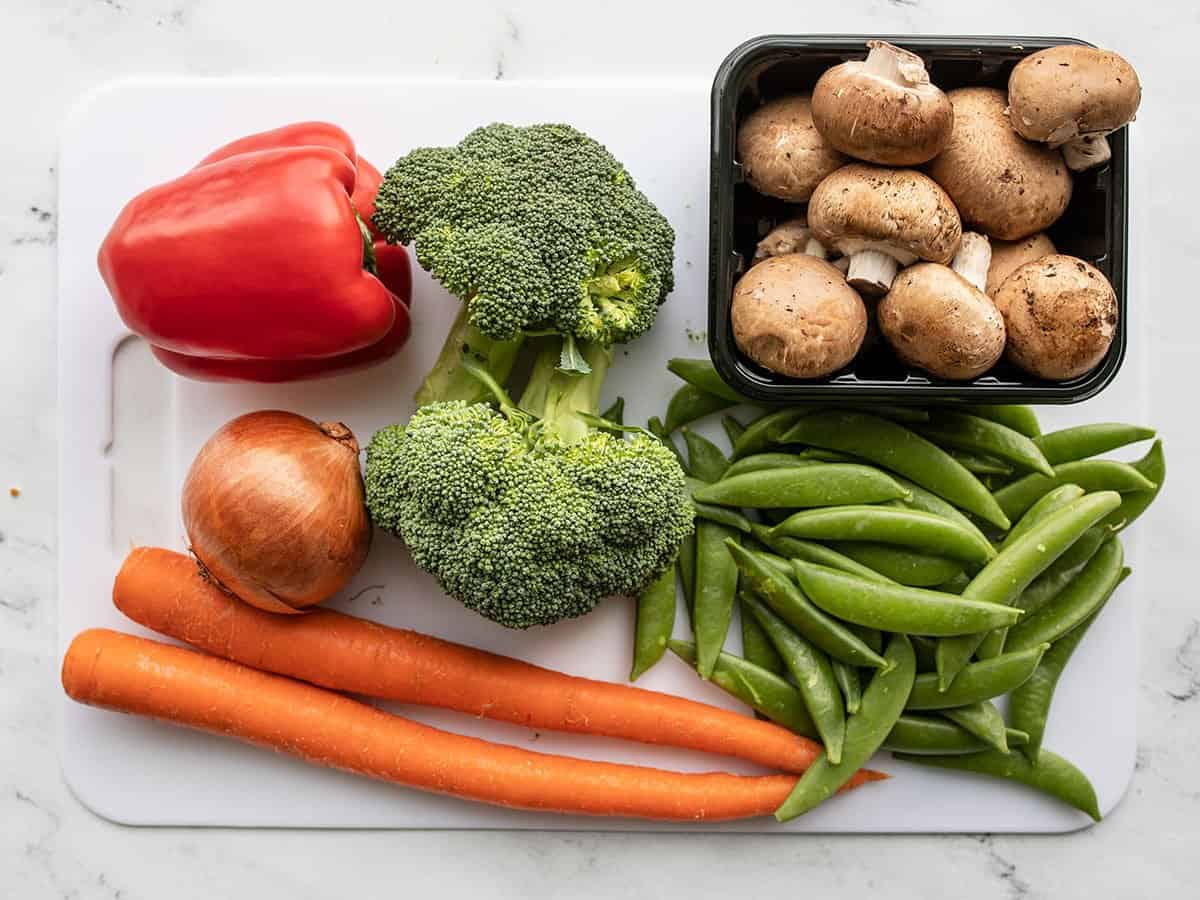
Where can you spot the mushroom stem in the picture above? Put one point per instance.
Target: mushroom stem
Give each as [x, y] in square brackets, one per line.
[816, 248]
[872, 271]
[1086, 152]
[895, 64]
[973, 259]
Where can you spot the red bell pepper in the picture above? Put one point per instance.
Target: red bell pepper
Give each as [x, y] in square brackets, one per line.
[255, 264]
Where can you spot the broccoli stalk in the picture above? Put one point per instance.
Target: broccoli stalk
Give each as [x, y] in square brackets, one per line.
[556, 397]
[450, 380]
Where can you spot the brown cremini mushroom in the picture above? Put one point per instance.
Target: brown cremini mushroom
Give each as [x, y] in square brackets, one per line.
[937, 318]
[1061, 315]
[883, 219]
[1008, 256]
[1002, 184]
[883, 109]
[1071, 97]
[796, 315]
[791, 236]
[781, 152]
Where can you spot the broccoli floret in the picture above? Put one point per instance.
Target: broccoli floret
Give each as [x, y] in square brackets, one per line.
[528, 516]
[535, 228]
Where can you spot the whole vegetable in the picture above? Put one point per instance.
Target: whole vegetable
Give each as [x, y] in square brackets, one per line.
[274, 509]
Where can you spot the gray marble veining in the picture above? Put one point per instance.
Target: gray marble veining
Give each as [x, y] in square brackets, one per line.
[50, 846]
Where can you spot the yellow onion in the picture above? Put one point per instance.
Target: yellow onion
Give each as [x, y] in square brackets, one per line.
[275, 511]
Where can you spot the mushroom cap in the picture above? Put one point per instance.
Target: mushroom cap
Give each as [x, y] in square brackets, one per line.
[902, 122]
[938, 321]
[1008, 256]
[789, 236]
[796, 315]
[1061, 315]
[1058, 94]
[1002, 184]
[896, 211]
[781, 152]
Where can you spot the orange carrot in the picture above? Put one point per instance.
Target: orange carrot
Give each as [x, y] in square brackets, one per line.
[135, 675]
[162, 590]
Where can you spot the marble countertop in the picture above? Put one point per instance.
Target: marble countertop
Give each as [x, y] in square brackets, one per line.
[50, 846]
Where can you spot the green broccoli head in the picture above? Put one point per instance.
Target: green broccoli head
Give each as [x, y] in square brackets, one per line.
[533, 228]
[526, 531]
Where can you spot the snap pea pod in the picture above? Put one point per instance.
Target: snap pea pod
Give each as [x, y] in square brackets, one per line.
[756, 646]
[1003, 579]
[977, 681]
[701, 374]
[705, 460]
[1084, 441]
[688, 404]
[955, 585]
[687, 573]
[899, 450]
[1046, 586]
[825, 484]
[810, 551]
[975, 434]
[733, 429]
[790, 604]
[781, 565]
[872, 637]
[1019, 418]
[721, 515]
[983, 720]
[849, 684]
[993, 644]
[766, 461]
[1090, 474]
[763, 691]
[819, 454]
[766, 430]
[1154, 467]
[920, 531]
[812, 674]
[616, 412]
[928, 501]
[716, 589]
[900, 565]
[654, 622]
[898, 608]
[1029, 704]
[655, 426]
[924, 648]
[1052, 775]
[1086, 593]
[914, 733]
[978, 464]
[882, 703]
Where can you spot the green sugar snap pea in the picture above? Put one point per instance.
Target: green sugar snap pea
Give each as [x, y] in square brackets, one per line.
[983, 720]
[716, 589]
[975, 434]
[849, 684]
[915, 733]
[733, 429]
[927, 501]
[977, 681]
[882, 703]
[1154, 467]
[687, 572]
[705, 459]
[1090, 474]
[1003, 579]
[756, 646]
[825, 484]
[1046, 586]
[653, 624]
[764, 692]
[920, 531]
[701, 374]
[900, 450]
[898, 608]
[790, 604]
[1084, 441]
[769, 460]
[690, 403]
[722, 515]
[978, 464]
[811, 672]
[765, 431]
[1086, 593]
[1019, 418]
[1029, 704]
[1052, 775]
[811, 551]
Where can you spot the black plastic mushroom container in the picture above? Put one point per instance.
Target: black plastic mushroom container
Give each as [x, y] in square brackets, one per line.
[1094, 226]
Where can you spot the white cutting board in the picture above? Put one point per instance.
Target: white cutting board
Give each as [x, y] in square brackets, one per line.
[125, 137]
